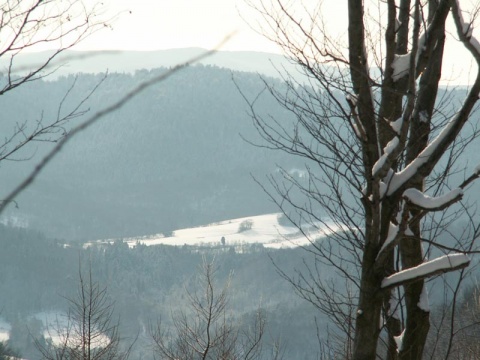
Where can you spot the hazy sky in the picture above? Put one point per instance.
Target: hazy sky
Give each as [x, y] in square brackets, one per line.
[166, 24]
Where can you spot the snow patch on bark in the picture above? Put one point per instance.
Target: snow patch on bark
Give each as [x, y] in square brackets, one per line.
[423, 302]
[399, 341]
[397, 125]
[392, 234]
[387, 150]
[400, 65]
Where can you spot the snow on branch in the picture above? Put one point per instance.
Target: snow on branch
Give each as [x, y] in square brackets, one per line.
[474, 176]
[401, 62]
[440, 265]
[423, 201]
[465, 31]
[392, 234]
[411, 170]
[397, 125]
[395, 234]
[391, 146]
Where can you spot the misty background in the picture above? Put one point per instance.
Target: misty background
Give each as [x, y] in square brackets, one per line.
[177, 156]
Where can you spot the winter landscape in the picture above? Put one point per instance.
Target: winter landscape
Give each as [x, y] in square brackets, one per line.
[239, 179]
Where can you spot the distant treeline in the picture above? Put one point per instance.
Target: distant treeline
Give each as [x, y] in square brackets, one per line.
[37, 273]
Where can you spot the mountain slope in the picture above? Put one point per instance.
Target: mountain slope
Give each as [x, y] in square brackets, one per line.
[171, 158]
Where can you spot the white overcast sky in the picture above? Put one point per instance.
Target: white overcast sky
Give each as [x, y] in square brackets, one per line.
[167, 24]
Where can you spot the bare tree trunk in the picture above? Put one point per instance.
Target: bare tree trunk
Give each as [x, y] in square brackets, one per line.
[367, 326]
[379, 138]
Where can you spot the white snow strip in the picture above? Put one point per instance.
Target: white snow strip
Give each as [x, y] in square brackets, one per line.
[359, 129]
[379, 164]
[382, 189]
[400, 65]
[399, 341]
[397, 125]
[423, 302]
[441, 264]
[387, 150]
[392, 233]
[406, 174]
[421, 44]
[392, 144]
[424, 201]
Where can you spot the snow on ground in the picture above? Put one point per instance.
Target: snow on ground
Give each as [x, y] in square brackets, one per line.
[261, 229]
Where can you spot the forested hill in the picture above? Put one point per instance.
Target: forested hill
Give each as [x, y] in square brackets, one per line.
[71, 62]
[172, 157]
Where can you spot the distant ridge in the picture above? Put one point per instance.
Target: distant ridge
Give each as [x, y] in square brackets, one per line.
[71, 62]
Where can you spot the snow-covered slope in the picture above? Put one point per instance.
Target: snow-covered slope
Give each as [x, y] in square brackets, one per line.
[261, 229]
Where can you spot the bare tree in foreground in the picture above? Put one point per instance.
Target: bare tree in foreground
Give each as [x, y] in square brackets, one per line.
[206, 330]
[381, 138]
[90, 331]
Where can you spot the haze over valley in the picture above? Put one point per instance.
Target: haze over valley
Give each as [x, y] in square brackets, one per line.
[176, 177]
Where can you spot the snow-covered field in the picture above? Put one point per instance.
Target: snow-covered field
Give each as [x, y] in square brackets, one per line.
[261, 229]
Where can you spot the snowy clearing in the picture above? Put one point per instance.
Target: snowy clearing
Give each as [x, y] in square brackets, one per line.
[261, 229]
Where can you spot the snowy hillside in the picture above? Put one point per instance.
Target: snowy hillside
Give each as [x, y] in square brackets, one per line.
[261, 229]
